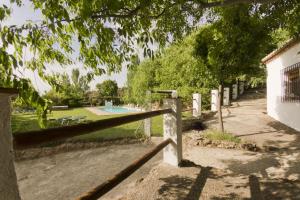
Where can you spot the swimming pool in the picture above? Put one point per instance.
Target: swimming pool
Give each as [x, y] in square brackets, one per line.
[116, 109]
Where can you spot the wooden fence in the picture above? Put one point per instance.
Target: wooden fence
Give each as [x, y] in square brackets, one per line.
[171, 146]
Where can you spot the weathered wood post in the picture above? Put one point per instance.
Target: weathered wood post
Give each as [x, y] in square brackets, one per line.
[8, 179]
[214, 100]
[147, 122]
[226, 97]
[172, 126]
[196, 105]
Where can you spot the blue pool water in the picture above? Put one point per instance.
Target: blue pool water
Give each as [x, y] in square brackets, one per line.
[115, 109]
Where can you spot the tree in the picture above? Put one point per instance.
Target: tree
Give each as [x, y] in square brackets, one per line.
[67, 91]
[80, 84]
[92, 97]
[181, 71]
[140, 79]
[107, 89]
[107, 33]
[232, 45]
[110, 24]
[176, 68]
[283, 14]
[75, 77]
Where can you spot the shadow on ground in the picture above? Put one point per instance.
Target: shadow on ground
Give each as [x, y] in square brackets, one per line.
[277, 168]
[186, 188]
[281, 189]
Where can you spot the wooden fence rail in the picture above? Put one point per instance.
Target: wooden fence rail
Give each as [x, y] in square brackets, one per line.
[172, 128]
[105, 187]
[27, 139]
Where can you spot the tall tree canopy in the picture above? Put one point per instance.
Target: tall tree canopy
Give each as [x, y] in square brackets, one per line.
[176, 68]
[107, 88]
[233, 45]
[107, 33]
[69, 90]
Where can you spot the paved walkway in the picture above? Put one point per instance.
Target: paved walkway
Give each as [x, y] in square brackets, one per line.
[207, 173]
[213, 173]
[247, 118]
[65, 176]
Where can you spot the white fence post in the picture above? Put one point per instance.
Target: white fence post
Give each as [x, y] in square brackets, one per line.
[8, 179]
[226, 96]
[172, 125]
[242, 87]
[214, 100]
[147, 122]
[196, 105]
[234, 91]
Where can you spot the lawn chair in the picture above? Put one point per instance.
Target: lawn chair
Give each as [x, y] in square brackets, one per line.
[78, 119]
[64, 120]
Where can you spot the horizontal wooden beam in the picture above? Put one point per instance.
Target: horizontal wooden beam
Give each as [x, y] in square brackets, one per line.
[11, 91]
[162, 91]
[27, 139]
[105, 187]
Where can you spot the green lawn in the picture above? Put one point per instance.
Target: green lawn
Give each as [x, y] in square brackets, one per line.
[27, 122]
[216, 135]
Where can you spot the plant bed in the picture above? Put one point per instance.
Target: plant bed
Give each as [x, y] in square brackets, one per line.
[212, 138]
[192, 123]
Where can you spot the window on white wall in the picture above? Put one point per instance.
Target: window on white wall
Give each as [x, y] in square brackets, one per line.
[291, 83]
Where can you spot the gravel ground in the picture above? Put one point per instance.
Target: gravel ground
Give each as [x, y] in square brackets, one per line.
[190, 182]
[272, 173]
[208, 173]
[67, 175]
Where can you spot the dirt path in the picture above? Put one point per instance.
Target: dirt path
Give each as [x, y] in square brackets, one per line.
[235, 174]
[208, 173]
[67, 175]
[247, 118]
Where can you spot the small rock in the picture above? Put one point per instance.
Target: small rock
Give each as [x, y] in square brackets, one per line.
[206, 141]
[140, 180]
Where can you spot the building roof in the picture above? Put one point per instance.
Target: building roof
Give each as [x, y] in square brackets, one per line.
[289, 44]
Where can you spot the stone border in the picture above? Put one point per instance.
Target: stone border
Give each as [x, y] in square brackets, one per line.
[71, 145]
[196, 139]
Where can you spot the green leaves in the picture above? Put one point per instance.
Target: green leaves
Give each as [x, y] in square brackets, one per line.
[4, 12]
[68, 92]
[234, 44]
[175, 68]
[107, 89]
[107, 32]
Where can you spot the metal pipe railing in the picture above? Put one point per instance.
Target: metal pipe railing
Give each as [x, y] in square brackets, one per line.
[27, 139]
[105, 187]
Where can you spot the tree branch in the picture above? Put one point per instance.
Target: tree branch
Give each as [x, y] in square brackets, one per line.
[228, 2]
[129, 13]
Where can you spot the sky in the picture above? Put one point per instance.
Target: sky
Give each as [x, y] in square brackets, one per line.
[26, 12]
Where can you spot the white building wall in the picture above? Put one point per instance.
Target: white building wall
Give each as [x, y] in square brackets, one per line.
[285, 112]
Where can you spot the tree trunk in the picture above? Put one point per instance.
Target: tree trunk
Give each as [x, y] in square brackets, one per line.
[8, 179]
[220, 100]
